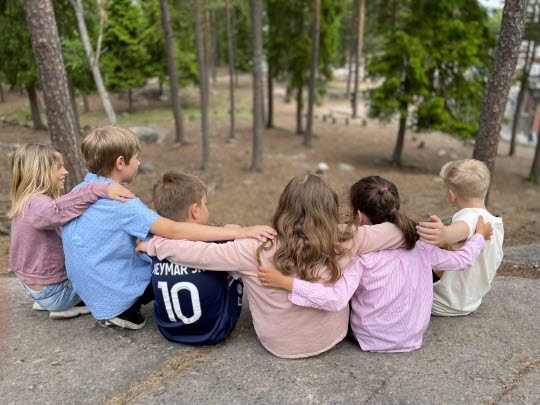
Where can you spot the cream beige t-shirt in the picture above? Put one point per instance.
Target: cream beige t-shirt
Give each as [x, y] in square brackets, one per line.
[461, 292]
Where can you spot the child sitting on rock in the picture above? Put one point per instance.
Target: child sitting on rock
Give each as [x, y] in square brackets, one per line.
[192, 306]
[460, 293]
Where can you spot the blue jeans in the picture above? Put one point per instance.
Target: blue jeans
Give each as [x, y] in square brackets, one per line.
[55, 297]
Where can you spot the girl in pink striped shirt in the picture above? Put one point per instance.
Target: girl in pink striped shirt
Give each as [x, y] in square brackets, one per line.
[391, 290]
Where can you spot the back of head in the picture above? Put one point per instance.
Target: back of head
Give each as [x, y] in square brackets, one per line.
[307, 223]
[468, 178]
[34, 169]
[175, 192]
[378, 199]
[104, 145]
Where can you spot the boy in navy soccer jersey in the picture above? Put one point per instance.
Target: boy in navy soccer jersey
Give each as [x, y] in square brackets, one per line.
[192, 306]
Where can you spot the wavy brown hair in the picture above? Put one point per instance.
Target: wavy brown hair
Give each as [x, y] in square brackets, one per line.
[307, 223]
[378, 199]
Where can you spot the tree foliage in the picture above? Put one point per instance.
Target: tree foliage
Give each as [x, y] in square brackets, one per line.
[432, 67]
[127, 60]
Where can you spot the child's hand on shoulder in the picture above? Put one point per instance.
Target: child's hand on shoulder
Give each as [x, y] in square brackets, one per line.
[431, 231]
[259, 232]
[273, 278]
[484, 228]
[119, 193]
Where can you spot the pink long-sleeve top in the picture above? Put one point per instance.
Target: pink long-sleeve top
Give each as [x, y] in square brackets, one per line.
[36, 255]
[284, 329]
[392, 293]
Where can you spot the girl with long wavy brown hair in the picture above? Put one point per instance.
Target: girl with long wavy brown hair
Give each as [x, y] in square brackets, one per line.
[311, 244]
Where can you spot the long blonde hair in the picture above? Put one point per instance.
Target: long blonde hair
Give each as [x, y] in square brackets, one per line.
[307, 223]
[35, 167]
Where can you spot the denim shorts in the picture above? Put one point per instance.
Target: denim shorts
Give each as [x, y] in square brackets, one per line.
[55, 297]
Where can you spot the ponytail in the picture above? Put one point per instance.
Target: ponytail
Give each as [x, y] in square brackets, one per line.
[378, 199]
[407, 226]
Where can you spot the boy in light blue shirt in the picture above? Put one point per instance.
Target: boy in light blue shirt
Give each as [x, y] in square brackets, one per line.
[99, 246]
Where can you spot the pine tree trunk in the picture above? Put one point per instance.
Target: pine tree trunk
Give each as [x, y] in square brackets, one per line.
[86, 105]
[2, 97]
[299, 108]
[535, 168]
[93, 61]
[214, 46]
[37, 123]
[316, 30]
[351, 53]
[349, 72]
[521, 95]
[358, 56]
[258, 100]
[53, 78]
[207, 41]
[270, 115]
[203, 83]
[172, 72]
[130, 101]
[398, 149]
[233, 25]
[230, 52]
[500, 80]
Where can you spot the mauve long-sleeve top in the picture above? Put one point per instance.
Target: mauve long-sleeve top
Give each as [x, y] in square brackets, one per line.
[284, 329]
[392, 293]
[36, 255]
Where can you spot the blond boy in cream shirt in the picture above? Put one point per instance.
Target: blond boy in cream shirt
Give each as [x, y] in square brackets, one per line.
[461, 292]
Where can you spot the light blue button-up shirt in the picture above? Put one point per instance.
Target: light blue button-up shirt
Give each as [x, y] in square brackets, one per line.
[99, 247]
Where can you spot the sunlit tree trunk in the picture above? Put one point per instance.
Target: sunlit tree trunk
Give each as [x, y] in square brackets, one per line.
[53, 78]
[93, 60]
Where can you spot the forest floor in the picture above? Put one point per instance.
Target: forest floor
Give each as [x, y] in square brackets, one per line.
[488, 357]
[237, 195]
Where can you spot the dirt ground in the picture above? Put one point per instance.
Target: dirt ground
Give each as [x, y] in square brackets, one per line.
[237, 195]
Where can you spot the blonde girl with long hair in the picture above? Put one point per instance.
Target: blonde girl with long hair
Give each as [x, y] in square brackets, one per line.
[38, 211]
[311, 244]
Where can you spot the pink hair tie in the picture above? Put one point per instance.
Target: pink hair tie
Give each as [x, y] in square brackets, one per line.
[382, 190]
[393, 211]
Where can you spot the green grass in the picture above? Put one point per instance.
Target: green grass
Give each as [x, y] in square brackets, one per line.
[160, 116]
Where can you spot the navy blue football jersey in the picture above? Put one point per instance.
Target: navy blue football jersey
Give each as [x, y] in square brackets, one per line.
[195, 306]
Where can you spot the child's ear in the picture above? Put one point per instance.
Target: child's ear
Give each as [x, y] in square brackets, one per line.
[194, 211]
[453, 195]
[119, 163]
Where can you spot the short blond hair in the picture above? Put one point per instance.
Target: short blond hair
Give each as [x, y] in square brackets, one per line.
[468, 178]
[174, 193]
[102, 146]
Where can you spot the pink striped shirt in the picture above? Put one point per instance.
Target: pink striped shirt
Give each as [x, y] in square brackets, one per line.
[392, 293]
